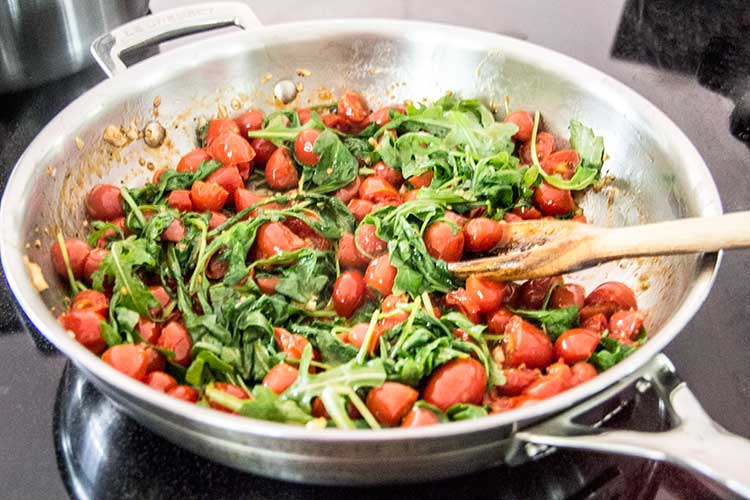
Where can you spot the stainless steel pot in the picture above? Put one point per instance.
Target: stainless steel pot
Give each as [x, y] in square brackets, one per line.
[41, 40]
[659, 176]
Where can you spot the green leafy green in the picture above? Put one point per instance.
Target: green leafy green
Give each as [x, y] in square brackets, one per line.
[336, 167]
[465, 411]
[554, 321]
[590, 147]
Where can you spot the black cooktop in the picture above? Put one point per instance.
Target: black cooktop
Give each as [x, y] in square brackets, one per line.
[59, 437]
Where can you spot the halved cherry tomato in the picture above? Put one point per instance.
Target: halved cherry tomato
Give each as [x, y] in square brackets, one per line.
[526, 213]
[128, 359]
[148, 330]
[624, 325]
[228, 178]
[532, 293]
[90, 300]
[579, 218]
[263, 150]
[281, 174]
[419, 417]
[110, 234]
[340, 123]
[368, 241]
[353, 107]
[157, 175]
[207, 196]
[231, 389]
[524, 122]
[377, 189]
[422, 180]
[411, 195]
[231, 149]
[596, 323]
[174, 232]
[251, 120]
[460, 380]
[304, 144]
[483, 234]
[217, 219]
[461, 301]
[179, 199]
[104, 202]
[184, 392]
[86, 326]
[349, 293]
[176, 338]
[192, 160]
[380, 275]
[605, 309]
[443, 242]
[562, 163]
[486, 293]
[390, 304]
[218, 127]
[567, 296]
[545, 145]
[154, 359]
[498, 320]
[360, 208]
[516, 380]
[553, 201]
[356, 336]
[162, 296]
[577, 344]
[613, 291]
[304, 231]
[391, 402]
[526, 344]
[290, 343]
[511, 217]
[582, 372]
[217, 266]
[160, 381]
[348, 255]
[382, 115]
[389, 174]
[93, 261]
[274, 238]
[244, 198]
[547, 386]
[304, 115]
[350, 191]
[280, 377]
[268, 284]
[77, 251]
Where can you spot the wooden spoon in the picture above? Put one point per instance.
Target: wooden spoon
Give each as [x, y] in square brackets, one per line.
[552, 247]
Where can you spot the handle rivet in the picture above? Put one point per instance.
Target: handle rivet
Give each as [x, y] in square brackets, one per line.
[285, 91]
[154, 134]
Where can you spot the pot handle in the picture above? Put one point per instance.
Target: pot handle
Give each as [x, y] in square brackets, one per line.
[167, 25]
[696, 442]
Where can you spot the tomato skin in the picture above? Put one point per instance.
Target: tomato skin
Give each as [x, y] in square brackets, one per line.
[350, 191]
[267, 285]
[192, 160]
[161, 295]
[110, 234]
[486, 293]
[377, 189]
[231, 149]
[510, 217]
[232, 390]
[179, 199]
[160, 381]
[78, 251]
[516, 380]
[244, 198]
[128, 359]
[104, 202]
[208, 196]
[532, 293]
[280, 377]
[90, 300]
[304, 144]
[356, 336]
[218, 127]
[380, 275]
[86, 326]
[382, 115]
[545, 145]
[93, 261]
[368, 241]
[360, 208]
[624, 325]
[249, 121]
[419, 417]
[154, 359]
[176, 338]
[348, 255]
[576, 344]
[579, 218]
[545, 387]
[263, 150]
[353, 107]
[562, 163]
[498, 320]
[274, 238]
[292, 344]
[184, 392]
[553, 201]
[349, 293]
[228, 178]
[460, 300]
[526, 344]
[526, 213]
[148, 330]
[483, 234]
[582, 372]
[443, 243]
[216, 220]
[174, 232]
[281, 174]
[388, 174]
[390, 402]
[567, 296]
[596, 323]
[613, 291]
[524, 122]
[422, 180]
[460, 380]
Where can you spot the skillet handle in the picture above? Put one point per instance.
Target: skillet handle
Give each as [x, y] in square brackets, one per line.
[168, 25]
[696, 442]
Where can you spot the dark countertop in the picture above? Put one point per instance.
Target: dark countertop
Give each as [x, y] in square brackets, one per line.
[60, 437]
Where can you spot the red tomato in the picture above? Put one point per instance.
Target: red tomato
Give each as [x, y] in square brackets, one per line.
[582, 372]
[460, 380]
[217, 219]
[251, 120]
[411, 195]
[157, 175]
[304, 144]
[577, 344]
[90, 300]
[281, 174]
[192, 160]
[353, 107]
[605, 309]
[545, 145]
[280, 377]
[547, 386]
[104, 202]
[486, 293]
[274, 238]
[208, 196]
[562, 163]
[579, 218]
[162, 296]
[388, 174]
[86, 326]
[525, 123]
[267, 285]
[228, 178]
[526, 344]
[174, 232]
[154, 359]
[128, 359]
[553, 201]
[349, 292]
[175, 337]
[231, 389]
[218, 127]
[339, 122]
[613, 291]
[368, 241]
[419, 417]
[377, 189]
[526, 213]
[498, 320]
[78, 251]
[360, 208]
[596, 323]
[443, 243]
[459, 220]
[459, 299]
[357, 334]
[350, 191]
[304, 231]
[482, 234]
[422, 180]
[109, 234]
[511, 217]
[624, 325]
[382, 115]
[160, 381]
[380, 275]
[516, 380]
[244, 198]
[348, 255]
[304, 115]
[179, 199]
[93, 261]
[390, 402]
[263, 150]
[184, 392]
[148, 330]
[567, 296]
[217, 267]
[290, 343]
[231, 149]
[532, 293]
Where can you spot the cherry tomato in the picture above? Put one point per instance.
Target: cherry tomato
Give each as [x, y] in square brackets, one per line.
[157, 175]
[377, 189]
[526, 213]
[184, 392]
[217, 219]
[532, 293]
[174, 232]
[217, 267]
[562, 163]
[244, 198]
[360, 208]
[460, 380]
[192, 160]
[498, 320]
[605, 309]
[368, 241]
[391, 402]
[553, 201]
[231, 389]
[104, 202]
[218, 127]
[356, 336]
[349, 292]
[624, 325]
[86, 326]
[380, 275]
[208, 196]
[511, 217]
[411, 195]
[526, 344]
[482, 234]
[525, 123]
[281, 174]
[160, 381]
[391, 304]
[280, 377]
[460, 300]
[389, 174]
[350, 191]
[290, 343]
[267, 285]
[179, 199]
[127, 359]
[304, 144]
[339, 122]
[231, 149]
[579, 218]
[419, 417]
[443, 242]
[274, 238]
[382, 115]
[228, 178]
[175, 337]
[516, 380]
[304, 115]
[263, 150]
[546, 386]
[93, 261]
[249, 121]
[348, 255]
[77, 251]
[486, 293]
[582, 372]
[577, 344]
[90, 300]
[567, 296]
[422, 180]
[613, 291]
[162, 296]
[148, 330]
[110, 234]
[353, 107]
[545, 145]
[154, 359]
[596, 323]
[304, 231]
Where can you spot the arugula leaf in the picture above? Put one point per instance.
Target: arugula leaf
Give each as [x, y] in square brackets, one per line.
[590, 147]
[465, 411]
[332, 350]
[265, 404]
[336, 167]
[554, 321]
[309, 281]
[610, 351]
[100, 228]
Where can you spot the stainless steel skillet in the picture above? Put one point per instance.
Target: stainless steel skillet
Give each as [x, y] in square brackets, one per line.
[660, 176]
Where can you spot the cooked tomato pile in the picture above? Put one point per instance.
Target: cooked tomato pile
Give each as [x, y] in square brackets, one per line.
[293, 267]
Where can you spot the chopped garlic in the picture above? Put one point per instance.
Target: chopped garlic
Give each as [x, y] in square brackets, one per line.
[37, 277]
